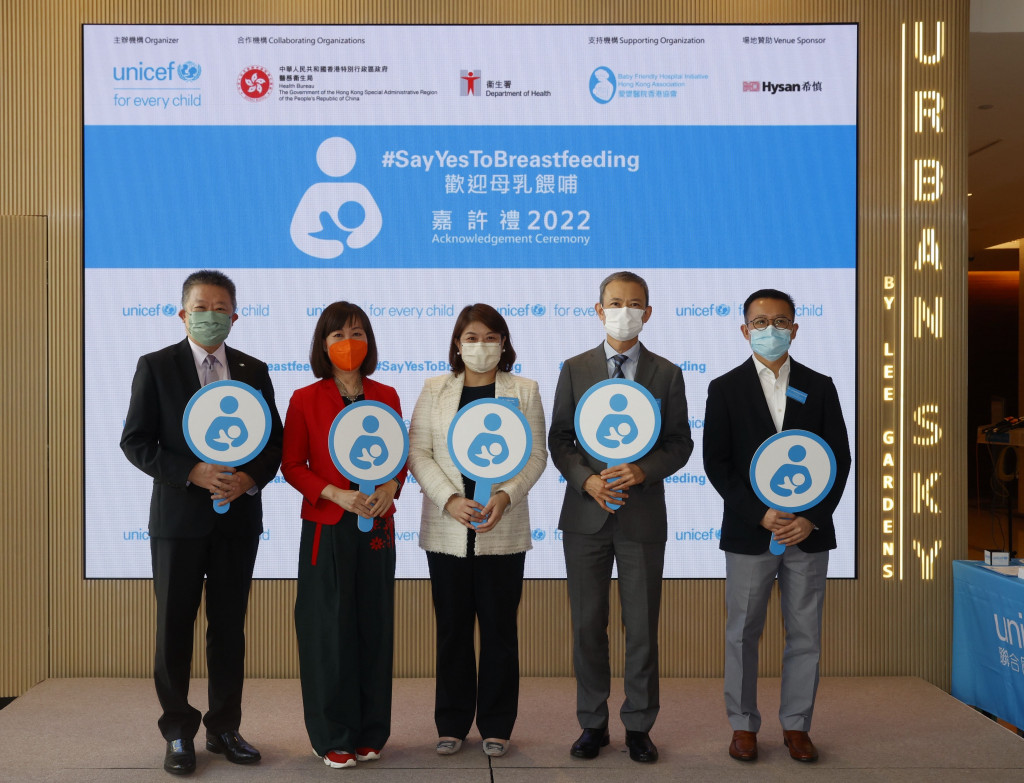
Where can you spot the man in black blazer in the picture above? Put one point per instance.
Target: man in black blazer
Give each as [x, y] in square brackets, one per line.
[189, 541]
[596, 535]
[766, 394]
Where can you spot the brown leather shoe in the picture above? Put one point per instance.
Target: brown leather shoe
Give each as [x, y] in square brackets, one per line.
[800, 746]
[743, 746]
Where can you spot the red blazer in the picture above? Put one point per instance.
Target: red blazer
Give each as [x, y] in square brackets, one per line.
[306, 461]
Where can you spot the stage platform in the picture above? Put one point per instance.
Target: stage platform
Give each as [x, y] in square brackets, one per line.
[866, 729]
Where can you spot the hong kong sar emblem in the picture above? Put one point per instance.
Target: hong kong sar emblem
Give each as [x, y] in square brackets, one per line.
[255, 83]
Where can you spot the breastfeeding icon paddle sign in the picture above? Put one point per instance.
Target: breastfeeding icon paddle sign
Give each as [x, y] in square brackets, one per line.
[490, 442]
[617, 421]
[369, 444]
[226, 423]
[792, 471]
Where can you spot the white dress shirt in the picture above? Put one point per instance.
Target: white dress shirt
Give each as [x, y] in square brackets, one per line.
[199, 354]
[774, 389]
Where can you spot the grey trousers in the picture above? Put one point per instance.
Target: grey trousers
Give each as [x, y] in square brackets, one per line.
[588, 567]
[748, 586]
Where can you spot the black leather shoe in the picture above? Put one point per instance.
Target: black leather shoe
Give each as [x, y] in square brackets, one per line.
[180, 757]
[590, 743]
[235, 749]
[640, 747]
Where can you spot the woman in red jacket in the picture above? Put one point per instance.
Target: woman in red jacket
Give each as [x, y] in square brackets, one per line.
[344, 610]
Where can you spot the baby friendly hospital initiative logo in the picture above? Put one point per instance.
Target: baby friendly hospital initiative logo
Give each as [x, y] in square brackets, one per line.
[333, 215]
[602, 85]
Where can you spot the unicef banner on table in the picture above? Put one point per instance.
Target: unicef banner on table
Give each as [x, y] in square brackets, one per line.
[414, 170]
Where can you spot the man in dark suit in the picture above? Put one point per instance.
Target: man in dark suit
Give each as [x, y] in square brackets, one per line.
[766, 394]
[595, 534]
[189, 541]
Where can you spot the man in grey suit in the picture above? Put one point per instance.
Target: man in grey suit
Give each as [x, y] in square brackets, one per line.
[596, 534]
[768, 393]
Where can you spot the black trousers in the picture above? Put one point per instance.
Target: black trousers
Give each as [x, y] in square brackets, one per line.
[344, 622]
[484, 588]
[180, 566]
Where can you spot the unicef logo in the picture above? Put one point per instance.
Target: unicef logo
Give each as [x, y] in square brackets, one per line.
[539, 535]
[170, 309]
[723, 309]
[539, 310]
[602, 85]
[189, 71]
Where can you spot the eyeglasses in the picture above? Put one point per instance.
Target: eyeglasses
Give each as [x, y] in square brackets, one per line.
[785, 324]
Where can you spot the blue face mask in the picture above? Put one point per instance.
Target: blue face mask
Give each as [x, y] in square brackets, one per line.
[769, 343]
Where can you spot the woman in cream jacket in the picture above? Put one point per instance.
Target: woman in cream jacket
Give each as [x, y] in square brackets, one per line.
[476, 554]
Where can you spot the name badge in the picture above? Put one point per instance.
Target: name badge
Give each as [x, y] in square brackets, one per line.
[796, 394]
[513, 402]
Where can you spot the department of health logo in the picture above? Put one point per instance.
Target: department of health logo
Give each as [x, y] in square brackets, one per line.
[255, 83]
[189, 71]
[603, 85]
[469, 82]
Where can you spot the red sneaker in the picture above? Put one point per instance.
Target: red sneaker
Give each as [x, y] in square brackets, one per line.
[339, 758]
[367, 754]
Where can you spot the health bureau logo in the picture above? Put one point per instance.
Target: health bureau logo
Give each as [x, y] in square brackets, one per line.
[255, 83]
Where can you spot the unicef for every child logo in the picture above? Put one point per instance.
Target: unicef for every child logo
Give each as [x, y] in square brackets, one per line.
[334, 215]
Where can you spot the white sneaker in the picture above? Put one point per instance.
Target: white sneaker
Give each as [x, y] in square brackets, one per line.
[496, 747]
[446, 746]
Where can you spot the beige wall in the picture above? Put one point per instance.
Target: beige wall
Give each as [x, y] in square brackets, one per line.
[53, 623]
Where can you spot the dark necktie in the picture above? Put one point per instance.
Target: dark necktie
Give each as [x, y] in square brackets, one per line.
[619, 360]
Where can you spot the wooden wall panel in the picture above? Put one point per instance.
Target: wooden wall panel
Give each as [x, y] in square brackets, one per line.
[23, 512]
[874, 625]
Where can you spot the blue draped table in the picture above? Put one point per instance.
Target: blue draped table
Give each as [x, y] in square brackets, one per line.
[988, 640]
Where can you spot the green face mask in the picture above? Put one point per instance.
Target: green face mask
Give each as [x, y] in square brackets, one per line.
[209, 328]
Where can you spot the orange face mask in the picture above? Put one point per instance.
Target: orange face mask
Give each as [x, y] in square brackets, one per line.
[347, 355]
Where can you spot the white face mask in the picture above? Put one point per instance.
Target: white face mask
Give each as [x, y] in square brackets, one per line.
[480, 357]
[623, 323]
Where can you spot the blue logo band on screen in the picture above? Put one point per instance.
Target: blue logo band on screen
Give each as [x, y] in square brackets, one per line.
[440, 197]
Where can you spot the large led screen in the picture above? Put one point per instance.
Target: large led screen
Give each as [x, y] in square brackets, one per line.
[413, 170]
